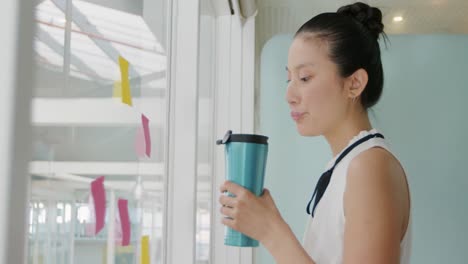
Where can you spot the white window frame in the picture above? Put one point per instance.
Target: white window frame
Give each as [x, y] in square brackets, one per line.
[234, 106]
[17, 27]
[183, 118]
[234, 109]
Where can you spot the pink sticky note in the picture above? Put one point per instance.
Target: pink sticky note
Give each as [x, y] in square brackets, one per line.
[140, 147]
[124, 221]
[99, 202]
[145, 122]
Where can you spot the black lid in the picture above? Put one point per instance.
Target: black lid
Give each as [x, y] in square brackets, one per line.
[248, 138]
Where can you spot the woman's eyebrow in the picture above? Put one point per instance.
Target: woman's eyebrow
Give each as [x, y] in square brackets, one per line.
[302, 65]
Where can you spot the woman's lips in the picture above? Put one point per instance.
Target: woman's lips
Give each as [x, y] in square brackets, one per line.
[296, 115]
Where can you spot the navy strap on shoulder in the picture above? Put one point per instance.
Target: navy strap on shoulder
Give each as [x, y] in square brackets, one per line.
[324, 180]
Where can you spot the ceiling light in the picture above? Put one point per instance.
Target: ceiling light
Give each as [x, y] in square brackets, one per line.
[397, 19]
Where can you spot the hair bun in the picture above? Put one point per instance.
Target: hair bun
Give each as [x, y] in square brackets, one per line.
[369, 17]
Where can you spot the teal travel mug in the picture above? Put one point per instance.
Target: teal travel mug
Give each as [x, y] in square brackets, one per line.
[246, 157]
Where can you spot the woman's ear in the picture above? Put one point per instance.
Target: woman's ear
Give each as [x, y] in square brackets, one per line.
[358, 82]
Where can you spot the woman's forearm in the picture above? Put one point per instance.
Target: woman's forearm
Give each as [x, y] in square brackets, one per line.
[284, 246]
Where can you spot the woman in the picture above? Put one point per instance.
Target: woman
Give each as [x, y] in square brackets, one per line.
[360, 209]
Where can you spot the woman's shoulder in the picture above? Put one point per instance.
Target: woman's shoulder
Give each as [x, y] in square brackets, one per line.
[375, 165]
[375, 179]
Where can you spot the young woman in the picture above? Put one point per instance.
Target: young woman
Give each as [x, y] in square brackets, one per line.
[360, 209]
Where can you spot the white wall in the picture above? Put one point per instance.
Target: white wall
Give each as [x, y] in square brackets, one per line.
[422, 113]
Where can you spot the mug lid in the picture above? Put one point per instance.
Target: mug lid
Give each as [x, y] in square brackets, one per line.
[247, 138]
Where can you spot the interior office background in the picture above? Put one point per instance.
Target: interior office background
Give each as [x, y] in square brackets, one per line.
[64, 125]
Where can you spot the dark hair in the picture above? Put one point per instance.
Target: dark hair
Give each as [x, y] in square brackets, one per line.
[352, 34]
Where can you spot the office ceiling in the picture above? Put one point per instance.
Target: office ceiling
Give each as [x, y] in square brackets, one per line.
[419, 16]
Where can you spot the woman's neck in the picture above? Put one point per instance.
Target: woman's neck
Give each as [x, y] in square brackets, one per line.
[339, 137]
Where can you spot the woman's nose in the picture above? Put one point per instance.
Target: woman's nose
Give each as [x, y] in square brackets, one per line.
[291, 96]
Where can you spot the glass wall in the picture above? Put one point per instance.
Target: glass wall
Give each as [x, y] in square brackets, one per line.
[85, 127]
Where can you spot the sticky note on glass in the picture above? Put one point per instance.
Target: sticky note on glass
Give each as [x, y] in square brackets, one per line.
[145, 257]
[125, 82]
[99, 201]
[146, 132]
[124, 221]
[117, 92]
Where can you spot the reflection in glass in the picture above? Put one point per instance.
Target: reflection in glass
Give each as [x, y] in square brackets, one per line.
[82, 131]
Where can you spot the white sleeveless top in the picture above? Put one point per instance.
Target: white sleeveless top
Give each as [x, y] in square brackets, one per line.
[324, 236]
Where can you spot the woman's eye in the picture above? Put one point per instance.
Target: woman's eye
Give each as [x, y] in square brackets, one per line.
[305, 79]
[288, 81]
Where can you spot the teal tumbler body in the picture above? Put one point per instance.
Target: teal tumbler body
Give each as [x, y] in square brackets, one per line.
[246, 158]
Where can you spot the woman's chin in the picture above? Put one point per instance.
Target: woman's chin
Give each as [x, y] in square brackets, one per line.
[307, 132]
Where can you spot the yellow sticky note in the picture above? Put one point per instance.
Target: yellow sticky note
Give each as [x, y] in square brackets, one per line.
[126, 95]
[145, 257]
[117, 89]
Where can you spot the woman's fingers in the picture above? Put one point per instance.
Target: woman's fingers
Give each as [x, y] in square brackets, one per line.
[245, 212]
[228, 204]
[227, 211]
[231, 187]
[226, 200]
[228, 222]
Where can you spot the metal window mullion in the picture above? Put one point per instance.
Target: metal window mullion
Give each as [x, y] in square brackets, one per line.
[214, 115]
[223, 46]
[247, 96]
[167, 137]
[235, 93]
[181, 222]
[67, 45]
[234, 110]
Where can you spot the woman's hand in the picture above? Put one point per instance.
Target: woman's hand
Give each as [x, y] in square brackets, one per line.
[256, 217]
